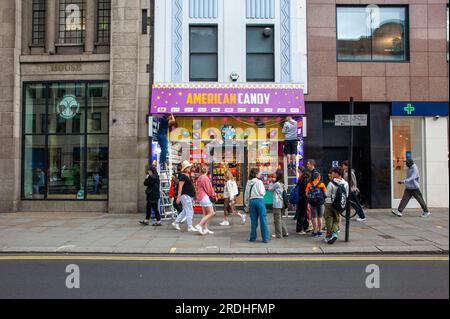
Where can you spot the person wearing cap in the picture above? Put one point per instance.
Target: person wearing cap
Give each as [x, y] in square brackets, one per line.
[186, 195]
[412, 189]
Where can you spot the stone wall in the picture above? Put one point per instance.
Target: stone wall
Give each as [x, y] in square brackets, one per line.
[10, 44]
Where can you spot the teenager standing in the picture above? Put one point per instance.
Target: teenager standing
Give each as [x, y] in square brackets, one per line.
[254, 199]
[316, 192]
[301, 209]
[277, 188]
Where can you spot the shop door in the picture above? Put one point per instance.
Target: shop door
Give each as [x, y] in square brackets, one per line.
[407, 136]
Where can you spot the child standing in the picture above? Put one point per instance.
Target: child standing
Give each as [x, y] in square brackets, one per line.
[316, 192]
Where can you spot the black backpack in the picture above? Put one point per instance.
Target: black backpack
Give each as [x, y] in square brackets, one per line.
[285, 199]
[340, 199]
[316, 197]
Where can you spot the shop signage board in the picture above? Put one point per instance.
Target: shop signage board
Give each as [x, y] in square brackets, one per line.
[349, 120]
[228, 99]
[420, 108]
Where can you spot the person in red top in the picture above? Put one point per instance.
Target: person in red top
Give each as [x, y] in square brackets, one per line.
[205, 195]
[315, 192]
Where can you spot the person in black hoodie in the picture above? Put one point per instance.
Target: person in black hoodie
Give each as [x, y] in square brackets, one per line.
[153, 193]
[302, 214]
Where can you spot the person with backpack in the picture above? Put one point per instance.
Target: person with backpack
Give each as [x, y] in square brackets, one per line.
[316, 191]
[153, 194]
[231, 192]
[254, 200]
[335, 203]
[280, 204]
[301, 202]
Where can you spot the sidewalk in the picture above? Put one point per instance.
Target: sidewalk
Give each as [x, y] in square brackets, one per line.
[103, 233]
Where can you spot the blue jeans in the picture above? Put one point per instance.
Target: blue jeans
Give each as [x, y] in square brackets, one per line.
[164, 144]
[258, 211]
[356, 205]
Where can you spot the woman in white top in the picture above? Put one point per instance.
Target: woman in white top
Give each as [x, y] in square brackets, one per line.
[230, 193]
[254, 199]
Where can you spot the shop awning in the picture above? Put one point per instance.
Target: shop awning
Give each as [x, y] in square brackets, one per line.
[227, 99]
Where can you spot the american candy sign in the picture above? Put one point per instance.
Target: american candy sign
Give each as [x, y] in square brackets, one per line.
[210, 99]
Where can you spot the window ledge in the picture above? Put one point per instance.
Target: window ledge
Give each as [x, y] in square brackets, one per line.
[63, 58]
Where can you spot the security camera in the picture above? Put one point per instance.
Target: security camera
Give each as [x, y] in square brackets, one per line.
[234, 76]
[437, 117]
[267, 32]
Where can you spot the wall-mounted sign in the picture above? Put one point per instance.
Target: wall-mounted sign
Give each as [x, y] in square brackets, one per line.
[228, 99]
[348, 120]
[66, 67]
[420, 108]
[68, 107]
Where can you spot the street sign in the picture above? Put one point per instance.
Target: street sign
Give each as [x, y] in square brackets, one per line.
[348, 120]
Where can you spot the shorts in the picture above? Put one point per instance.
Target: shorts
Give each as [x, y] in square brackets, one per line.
[317, 211]
[206, 202]
[290, 147]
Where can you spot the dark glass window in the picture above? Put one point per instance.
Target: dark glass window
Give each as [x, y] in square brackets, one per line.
[38, 30]
[72, 21]
[372, 33]
[67, 157]
[260, 53]
[103, 21]
[203, 44]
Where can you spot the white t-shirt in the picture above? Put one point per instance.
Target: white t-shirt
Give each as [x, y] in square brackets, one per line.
[231, 190]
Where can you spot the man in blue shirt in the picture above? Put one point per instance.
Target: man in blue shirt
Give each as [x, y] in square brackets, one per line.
[290, 141]
[412, 189]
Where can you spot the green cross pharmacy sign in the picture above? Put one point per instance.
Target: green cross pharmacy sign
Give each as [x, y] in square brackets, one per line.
[409, 108]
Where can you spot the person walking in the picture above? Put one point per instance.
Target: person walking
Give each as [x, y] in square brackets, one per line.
[290, 141]
[153, 194]
[316, 192]
[278, 189]
[205, 196]
[230, 193]
[354, 191]
[301, 209]
[412, 189]
[254, 199]
[336, 187]
[174, 190]
[186, 195]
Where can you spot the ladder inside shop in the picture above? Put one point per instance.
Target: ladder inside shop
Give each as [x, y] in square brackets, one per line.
[290, 176]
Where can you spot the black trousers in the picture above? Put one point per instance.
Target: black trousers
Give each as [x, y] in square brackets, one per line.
[152, 206]
[408, 194]
[302, 216]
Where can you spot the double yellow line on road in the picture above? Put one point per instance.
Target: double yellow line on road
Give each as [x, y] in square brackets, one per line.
[218, 259]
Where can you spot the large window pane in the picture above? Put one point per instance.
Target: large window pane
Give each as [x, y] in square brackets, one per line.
[353, 33]
[260, 67]
[97, 166]
[66, 173]
[371, 34]
[389, 40]
[72, 21]
[203, 67]
[34, 109]
[34, 167]
[66, 108]
[103, 21]
[203, 64]
[260, 53]
[98, 108]
[38, 32]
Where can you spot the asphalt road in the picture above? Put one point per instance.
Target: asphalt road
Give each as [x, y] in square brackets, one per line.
[229, 278]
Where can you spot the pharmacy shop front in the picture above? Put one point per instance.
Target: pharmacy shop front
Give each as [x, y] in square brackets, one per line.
[229, 127]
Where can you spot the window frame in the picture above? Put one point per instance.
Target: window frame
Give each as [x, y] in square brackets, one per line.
[97, 23]
[407, 34]
[44, 133]
[273, 52]
[61, 41]
[44, 18]
[209, 25]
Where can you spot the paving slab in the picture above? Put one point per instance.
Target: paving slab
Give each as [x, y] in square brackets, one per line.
[408, 249]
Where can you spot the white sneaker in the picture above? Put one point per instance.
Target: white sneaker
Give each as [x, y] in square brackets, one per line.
[426, 214]
[361, 219]
[199, 229]
[192, 229]
[183, 220]
[176, 226]
[244, 219]
[225, 223]
[397, 213]
[208, 231]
